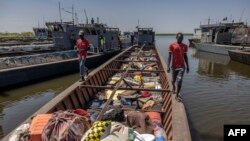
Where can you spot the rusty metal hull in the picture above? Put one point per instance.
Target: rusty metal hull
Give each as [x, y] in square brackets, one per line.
[173, 113]
[19, 75]
[242, 56]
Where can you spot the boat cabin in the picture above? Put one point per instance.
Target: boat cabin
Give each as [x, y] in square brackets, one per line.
[101, 37]
[41, 33]
[145, 35]
[221, 33]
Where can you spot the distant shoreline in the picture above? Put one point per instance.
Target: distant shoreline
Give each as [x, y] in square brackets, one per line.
[171, 34]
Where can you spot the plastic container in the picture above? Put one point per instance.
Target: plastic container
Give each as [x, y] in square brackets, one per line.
[146, 137]
[37, 125]
[154, 116]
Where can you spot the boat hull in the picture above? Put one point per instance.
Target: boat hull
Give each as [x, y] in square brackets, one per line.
[216, 48]
[240, 56]
[78, 95]
[14, 76]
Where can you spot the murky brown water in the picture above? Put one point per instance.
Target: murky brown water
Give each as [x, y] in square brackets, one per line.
[216, 92]
[16, 105]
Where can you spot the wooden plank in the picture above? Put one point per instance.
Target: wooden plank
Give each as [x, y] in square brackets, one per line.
[95, 80]
[133, 70]
[137, 89]
[60, 106]
[86, 95]
[123, 61]
[100, 78]
[90, 89]
[75, 100]
[132, 109]
[67, 102]
[79, 95]
[137, 55]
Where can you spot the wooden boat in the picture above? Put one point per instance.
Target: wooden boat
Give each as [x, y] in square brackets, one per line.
[242, 56]
[78, 95]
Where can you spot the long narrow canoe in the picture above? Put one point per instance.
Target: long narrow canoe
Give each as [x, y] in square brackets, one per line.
[78, 95]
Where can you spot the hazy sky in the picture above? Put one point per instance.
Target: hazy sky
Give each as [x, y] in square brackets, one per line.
[162, 15]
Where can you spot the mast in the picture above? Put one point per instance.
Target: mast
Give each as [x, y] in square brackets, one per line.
[73, 14]
[60, 12]
[87, 21]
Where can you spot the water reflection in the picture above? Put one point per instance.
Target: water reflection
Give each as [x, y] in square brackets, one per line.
[14, 112]
[216, 65]
[18, 104]
[215, 92]
[212, 64]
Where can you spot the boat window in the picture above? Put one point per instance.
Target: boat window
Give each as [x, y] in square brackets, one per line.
[86, 31]
[93, 32]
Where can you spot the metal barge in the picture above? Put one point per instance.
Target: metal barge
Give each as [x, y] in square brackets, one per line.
[78, 95]
[20, 69]
[242, 56]
[24, 74]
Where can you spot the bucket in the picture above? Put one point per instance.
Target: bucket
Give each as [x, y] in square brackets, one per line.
[145, 137]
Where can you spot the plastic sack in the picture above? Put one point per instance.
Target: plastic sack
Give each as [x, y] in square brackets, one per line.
[65, 126]
[19, 132]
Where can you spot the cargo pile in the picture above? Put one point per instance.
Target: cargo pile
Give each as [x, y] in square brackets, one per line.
[11, 62]
[128, 107]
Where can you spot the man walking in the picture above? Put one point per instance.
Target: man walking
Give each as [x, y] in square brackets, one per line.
[178, 54]
[82, 48]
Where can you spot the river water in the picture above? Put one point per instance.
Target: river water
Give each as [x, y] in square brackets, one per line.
[215, 92]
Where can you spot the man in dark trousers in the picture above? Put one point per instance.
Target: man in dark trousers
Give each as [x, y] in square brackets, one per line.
[132, 37]
[72, 41]
[82, 48]
[178, 54]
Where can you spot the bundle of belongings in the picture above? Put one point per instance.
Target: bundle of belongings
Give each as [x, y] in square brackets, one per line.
[132, 99]
[67, 125]
[136, 126]
[74, 125]
[121, 122]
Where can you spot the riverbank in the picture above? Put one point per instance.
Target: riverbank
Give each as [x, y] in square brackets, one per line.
[24, 38]
[173, 34]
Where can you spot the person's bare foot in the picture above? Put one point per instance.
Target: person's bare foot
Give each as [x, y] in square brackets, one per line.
[173, 91]
[178, 98]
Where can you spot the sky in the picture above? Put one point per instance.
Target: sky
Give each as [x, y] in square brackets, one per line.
[165, 16]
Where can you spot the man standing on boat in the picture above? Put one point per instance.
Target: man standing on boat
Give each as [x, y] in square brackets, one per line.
[132, 37]
[82, 48]
[178, 54]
